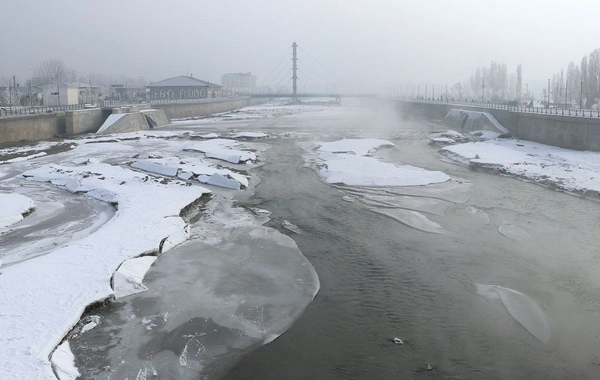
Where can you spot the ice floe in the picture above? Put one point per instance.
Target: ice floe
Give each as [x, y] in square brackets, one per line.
[12, 208]
[63, 363]
[522, 308]
[73, 276]
[549, 165]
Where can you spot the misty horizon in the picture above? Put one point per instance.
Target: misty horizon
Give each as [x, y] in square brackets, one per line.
[369, 46]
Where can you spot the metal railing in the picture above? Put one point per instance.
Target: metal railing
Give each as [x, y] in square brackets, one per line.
[543, 110]
[39, 110]
[119, 103]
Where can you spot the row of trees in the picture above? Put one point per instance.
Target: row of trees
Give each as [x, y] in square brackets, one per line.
[495, 84]
[580, 85]
[55, 70]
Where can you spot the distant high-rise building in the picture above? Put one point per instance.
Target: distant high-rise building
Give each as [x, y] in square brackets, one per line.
[238, 83]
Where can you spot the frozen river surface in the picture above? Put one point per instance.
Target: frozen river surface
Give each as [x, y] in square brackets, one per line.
[477, 275]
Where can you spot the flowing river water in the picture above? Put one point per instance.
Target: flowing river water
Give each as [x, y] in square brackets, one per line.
[508, 286]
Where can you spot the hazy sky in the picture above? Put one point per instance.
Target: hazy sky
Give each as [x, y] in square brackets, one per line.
[368, 42]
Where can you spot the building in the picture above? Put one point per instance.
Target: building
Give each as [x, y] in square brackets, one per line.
[122, 92]
[238, 83]
[63, 94]
[183, 87]
[29, 96]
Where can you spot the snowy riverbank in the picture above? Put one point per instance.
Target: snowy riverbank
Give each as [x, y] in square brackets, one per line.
[564, 169]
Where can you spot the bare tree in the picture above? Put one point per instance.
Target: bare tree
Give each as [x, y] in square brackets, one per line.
[53, 71]
[519, 85]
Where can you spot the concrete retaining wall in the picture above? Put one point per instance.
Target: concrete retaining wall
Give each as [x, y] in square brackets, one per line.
[84, 121]
[177, 110]
[567, 132]
[155, 118]
[32, 127]
[47, 126]
[124, 122]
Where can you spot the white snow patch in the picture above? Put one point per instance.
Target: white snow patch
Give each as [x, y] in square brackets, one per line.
[63, 362]
[12, 208]
[128, 278]
[366, 171]
[231, 155]
[563, 168]
[359, 147]
[156, 168]
[252, 135]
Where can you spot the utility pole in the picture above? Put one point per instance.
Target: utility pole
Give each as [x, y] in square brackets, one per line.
[294, 68]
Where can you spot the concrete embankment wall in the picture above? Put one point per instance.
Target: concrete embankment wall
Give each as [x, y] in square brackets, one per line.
[177, 110]
[32, 127]
[84, 121]
[567, 132]
[47, 126]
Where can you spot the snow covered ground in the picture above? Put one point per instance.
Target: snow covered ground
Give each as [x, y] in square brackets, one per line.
[565, 169]
[275, 108]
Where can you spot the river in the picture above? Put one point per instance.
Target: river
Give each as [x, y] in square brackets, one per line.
[505, 287]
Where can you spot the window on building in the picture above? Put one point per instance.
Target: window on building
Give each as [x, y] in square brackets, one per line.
[170, 94]
[190, 93]
[162, 93]
[182, 94]
[196, 93]
[202, 93]
[156, 94]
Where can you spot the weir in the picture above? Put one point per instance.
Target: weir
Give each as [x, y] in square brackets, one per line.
[579, 133]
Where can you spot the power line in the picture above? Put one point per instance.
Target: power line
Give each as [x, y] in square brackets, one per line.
[286, 53]
[321, 64]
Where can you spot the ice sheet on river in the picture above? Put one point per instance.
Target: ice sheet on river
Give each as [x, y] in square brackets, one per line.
[410, 218]
[36, 315]
[237, 285]
[355, 170]
[521, 307]
[12, 208]
[558, 167]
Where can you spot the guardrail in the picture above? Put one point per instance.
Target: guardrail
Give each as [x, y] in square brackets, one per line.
[551, 111]
[40, 110]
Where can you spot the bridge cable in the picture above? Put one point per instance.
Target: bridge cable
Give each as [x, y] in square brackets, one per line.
[321, 64]
[279, 73]
[317, 83]
[282, 78]
[324, 80]
[286, 53]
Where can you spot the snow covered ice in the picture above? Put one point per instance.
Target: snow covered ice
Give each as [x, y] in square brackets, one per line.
[47, 285]
[12, 208]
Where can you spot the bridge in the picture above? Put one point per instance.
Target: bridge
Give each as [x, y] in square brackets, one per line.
[294, 79]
